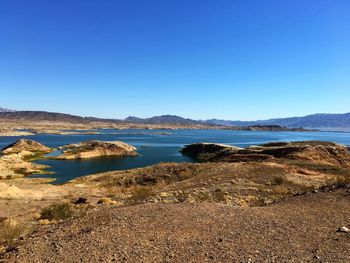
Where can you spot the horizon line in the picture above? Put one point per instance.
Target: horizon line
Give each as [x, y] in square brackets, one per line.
[206, 119]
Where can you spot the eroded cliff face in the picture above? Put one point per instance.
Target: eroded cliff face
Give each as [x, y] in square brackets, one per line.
[92, 149]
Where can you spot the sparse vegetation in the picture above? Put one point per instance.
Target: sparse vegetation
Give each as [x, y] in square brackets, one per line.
[59, 211]
[220, 196]
[141, 194]
[181, 197]
[203, 197]
[10, 232]
[278, 180]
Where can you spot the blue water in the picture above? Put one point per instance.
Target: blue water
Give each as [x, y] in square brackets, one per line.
[157, 146]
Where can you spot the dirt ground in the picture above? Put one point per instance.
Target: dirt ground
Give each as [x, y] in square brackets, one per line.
[298, 229]
[22, 198]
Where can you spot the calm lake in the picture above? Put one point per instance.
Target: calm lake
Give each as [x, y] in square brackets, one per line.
[157, 146]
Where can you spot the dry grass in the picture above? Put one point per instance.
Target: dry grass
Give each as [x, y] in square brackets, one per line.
[10, 232]
[141, 194]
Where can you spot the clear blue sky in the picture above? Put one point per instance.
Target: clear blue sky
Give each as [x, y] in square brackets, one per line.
[233, 59]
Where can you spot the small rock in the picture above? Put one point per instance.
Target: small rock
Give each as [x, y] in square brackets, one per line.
[44, 222]
[104, 200]
[115, 203]
[344, 229]
[36, 216]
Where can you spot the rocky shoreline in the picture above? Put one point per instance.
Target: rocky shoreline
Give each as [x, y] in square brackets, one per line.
[261, 176]
[28, 127]
[16, 159]
[313, 151]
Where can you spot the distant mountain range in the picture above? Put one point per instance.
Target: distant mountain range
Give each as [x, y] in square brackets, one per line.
[314, 121]
[50, 116]
[320, 121]
[165, 119]
[5, 110]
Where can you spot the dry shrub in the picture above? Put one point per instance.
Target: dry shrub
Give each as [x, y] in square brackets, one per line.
[141, 194]
[59, 211]
[278, 180]
[10, 232]
[219, 195]
[181, 197]
[203, 197]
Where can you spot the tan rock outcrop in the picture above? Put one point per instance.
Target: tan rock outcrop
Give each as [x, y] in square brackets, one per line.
[13, 163]
[92, 149]
[26, 145]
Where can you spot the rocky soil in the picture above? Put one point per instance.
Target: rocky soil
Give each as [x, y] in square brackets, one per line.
[298, 229]
[22, 199]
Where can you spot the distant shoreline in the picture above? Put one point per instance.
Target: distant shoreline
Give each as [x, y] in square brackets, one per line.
[28, 128]
[323, 122]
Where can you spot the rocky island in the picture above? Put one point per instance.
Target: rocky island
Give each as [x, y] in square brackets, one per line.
[26, 146]
[93, 149]
[310, 151]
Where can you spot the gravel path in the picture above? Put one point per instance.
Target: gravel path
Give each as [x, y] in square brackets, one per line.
[299, 229]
